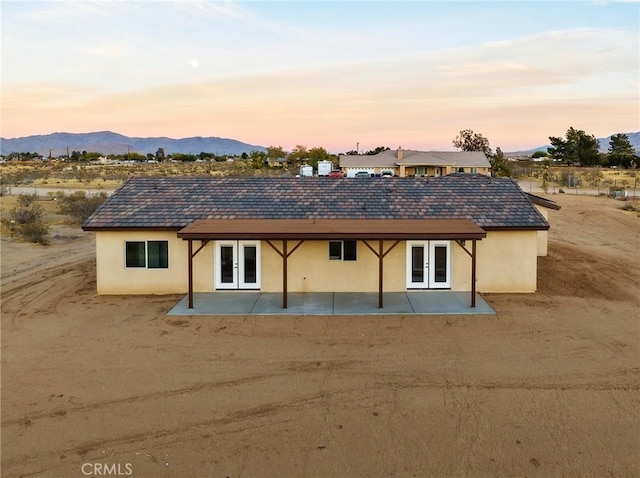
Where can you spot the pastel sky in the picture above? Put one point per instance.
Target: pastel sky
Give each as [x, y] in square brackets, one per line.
[331, 74]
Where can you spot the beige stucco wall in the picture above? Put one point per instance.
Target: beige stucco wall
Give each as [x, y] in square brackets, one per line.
[114, 278]
[506, 262]
[310, 270]
[543, 236]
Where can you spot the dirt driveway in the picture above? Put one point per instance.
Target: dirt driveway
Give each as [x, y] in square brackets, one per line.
[549, 386]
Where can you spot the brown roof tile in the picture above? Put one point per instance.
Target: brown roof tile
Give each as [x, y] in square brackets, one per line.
[174, 202]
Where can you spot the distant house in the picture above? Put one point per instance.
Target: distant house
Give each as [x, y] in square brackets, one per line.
[276, 162]
[460, 232]
[409, 163]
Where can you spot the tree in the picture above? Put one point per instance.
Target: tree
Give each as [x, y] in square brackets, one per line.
[275, 152]
[539, 154]
[546, 175]
[594, 178]
[78, 205]
[577, 148]
[467, 140]
[499, 164]
[160, 155]
[621, 152]
[379, 149]
[184, 157]
[315, 155]
[275, 155]
[258, 158]
[297, 156]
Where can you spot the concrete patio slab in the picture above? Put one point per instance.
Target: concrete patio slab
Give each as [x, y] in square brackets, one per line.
[330, 303]
[366, 303]
[312, 303]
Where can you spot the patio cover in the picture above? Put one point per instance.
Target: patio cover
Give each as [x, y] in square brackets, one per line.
[324, 229]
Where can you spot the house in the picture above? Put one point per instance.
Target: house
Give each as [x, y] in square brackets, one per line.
[460, 232]
[404, 163]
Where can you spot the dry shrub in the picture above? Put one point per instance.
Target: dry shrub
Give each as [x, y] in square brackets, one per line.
[631, 205]
[26, 220]
[78, 205]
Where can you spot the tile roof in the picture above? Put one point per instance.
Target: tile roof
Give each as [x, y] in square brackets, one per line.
[174, 202]
[389, 158]
[544, 202]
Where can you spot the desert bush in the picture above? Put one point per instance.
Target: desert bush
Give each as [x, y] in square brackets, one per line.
[78, 205]
[26, 220]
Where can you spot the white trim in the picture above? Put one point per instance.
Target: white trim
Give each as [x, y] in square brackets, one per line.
[428, 272]
[238, 278]
[243, 284]
[217, 265]
[432, 268]
[409, 262]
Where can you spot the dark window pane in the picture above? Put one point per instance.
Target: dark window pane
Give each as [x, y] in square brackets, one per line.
[335, 250]
[135, 254]
[350, 250]
[417, 264]
[158, 252]
[226, 264]
[440, 261]
[250, 265]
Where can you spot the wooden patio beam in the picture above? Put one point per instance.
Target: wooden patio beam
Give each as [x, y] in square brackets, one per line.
[191, 256]
[285, 256]
[380, 254]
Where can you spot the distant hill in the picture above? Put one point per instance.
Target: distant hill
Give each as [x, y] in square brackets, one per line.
[107, 142]
[634, 139]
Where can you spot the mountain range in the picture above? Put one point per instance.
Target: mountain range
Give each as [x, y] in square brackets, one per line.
[108, 142]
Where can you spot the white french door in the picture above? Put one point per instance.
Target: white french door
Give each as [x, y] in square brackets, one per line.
[237, 265]
[428, 265]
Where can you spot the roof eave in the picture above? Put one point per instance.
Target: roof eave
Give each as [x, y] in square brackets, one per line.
[129, 228]
[516, 228]
[331, 236]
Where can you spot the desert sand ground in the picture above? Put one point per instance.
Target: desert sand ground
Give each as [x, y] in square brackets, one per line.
[549, 386]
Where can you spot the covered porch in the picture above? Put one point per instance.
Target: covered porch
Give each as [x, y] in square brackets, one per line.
[331, 303]
[380, 236]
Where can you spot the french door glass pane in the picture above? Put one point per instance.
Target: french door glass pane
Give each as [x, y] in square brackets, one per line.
[226, 264]
[417, 264]
[250, 265]
[440, 263]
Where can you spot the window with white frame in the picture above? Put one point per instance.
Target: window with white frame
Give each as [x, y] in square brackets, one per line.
[343, 250]
[149, 254]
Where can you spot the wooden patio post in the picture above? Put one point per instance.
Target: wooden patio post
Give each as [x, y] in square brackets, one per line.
[284, 273]
[380, 271]
[190, 274]
[473, 273]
